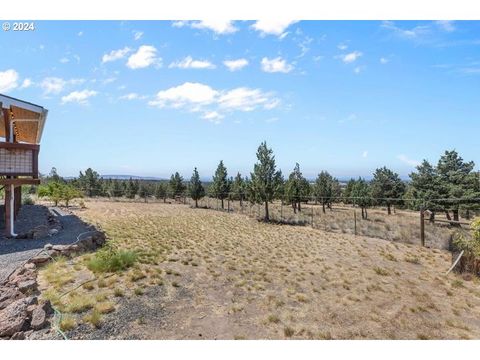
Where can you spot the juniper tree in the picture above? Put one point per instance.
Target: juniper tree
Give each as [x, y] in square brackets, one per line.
[455, 178]
[116, 189]
[90, 182]
[297, 188]
[238, 188]
[130, 189]
[387, 186]
[196, 188]
[424, 188]
[161, 191]
[176, 185]
[325, 189]
[265, 179]
[143, 191]
[348, 191]
[220, 184]
[362, 195]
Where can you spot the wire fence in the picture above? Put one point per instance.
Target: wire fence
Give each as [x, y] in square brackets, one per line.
[433, 223]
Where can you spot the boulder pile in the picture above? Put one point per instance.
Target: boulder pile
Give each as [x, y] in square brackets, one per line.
[21, 309]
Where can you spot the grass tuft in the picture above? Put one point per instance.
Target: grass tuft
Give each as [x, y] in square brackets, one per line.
[111, 260]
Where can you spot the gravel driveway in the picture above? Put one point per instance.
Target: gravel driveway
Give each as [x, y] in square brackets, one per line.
[13, 252]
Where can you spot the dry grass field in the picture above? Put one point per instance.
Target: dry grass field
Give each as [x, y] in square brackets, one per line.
[203, 274]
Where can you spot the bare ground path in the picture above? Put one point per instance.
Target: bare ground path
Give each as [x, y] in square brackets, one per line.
[13, 252]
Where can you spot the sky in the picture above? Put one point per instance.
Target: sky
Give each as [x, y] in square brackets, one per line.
[149, 98]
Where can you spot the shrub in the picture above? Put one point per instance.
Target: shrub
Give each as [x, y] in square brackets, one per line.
[471, 246]
[109, 260]
[27, 200]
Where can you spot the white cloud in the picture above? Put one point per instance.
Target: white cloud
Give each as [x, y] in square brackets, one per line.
[64, 60]
[246, 99]
[190, 63]
[276, 65]
[131, 96]
[342, 46]
[272, 27]
[412, 33]
[55, 85]
[446, 25]
[26, 83]
[185, 94]
[8, 80]
[52, 85]
[145, 56]
[220, 27]
[80, 97]
[350, 57]
[384, 60]
[235, 65]
[213, 103]
[137, 35]
[358, 69]
[80, 33]
[403, 158]
[213, 116]
[116, 54]
[365, 154]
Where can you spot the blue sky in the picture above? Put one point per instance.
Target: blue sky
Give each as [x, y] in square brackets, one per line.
[150, 98]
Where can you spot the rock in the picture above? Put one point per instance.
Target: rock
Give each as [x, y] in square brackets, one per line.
[47, 307]
[18, 336]
[40, 259]
[29, 266]
[40, 231]
[39, 318]
[14, 316]
[48, 246]
[99, 238]
[8, 295]
[73, 248]
[61, 248]
[28, 285]
[52, 232]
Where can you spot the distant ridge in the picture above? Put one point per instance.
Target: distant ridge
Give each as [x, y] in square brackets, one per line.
[134, 177]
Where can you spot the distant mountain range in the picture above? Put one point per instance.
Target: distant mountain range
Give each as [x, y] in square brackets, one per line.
[134, 177]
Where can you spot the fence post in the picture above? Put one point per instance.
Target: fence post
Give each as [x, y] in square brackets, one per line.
[281, 210]
[422, 226]
[355, 221]
[312, 215]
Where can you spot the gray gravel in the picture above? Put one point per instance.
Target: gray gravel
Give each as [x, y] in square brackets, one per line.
[13, 252]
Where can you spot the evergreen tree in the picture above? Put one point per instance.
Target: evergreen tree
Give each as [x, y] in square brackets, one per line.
[265, 179]
[220, 184]
[161, 191]
[130, 189]
[143, 191]
[325, 189]
[386, 186]
[116, 189]
[362, 196]
[176, 185]
[90, 182]
[196, 188]
[347, 193]
[297, 188]
[238, 188]
[424, 188]
[455, 178]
